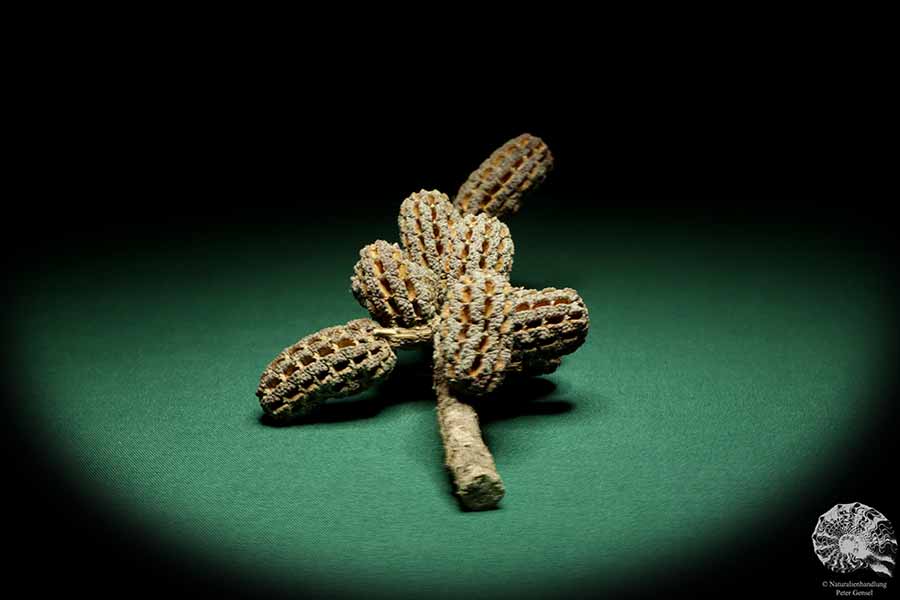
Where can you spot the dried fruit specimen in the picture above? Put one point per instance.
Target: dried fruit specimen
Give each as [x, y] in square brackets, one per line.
[335, 362]
[473, 336]
[448, 287]
[497, 186]
[394, 289]
[853, 536]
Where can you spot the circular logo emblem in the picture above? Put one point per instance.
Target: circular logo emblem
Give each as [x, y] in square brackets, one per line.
[853, 536]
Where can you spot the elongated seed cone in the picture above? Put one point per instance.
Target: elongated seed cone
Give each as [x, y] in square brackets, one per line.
[546, 324]
[473, 335]
[426, 225]
[335, 362]
[480, 242]
[395, 290]
[497, 186]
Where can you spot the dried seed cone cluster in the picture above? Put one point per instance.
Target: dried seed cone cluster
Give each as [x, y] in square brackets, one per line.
[446, 284]
[497, 186]
[335, 362]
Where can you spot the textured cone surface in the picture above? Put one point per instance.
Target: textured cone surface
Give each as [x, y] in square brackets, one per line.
[396, 291]
[473, 335]
[497, 186]
[546, 324]
[436, 236]
[335, 362]
[426, 225]
[480, 242]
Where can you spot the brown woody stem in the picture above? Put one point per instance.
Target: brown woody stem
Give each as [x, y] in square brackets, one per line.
[478, 484]
[400, 337]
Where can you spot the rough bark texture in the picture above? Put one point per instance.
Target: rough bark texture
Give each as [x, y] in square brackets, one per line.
[332, 363]
[497, 186]
[399, 337]
[467, 457]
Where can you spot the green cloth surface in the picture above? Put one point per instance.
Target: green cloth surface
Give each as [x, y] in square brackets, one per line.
[724, 371]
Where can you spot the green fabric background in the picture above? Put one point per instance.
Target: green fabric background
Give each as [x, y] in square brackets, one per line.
[724, 372]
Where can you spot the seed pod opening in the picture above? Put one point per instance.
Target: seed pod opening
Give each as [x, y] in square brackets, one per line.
[396, 291]
[332, 363]
[497, 186]
[473, 337]
[547, 324]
